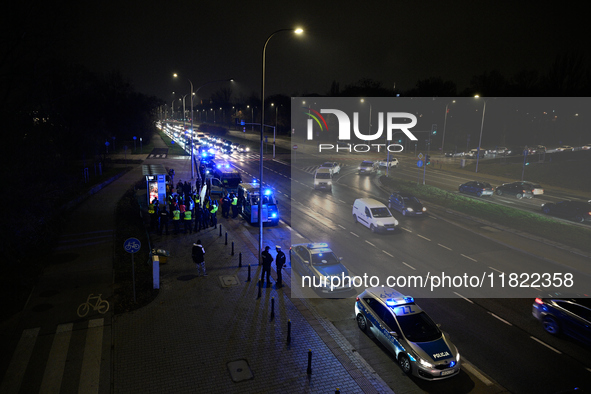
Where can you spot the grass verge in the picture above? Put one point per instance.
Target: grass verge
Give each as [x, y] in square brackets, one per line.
[532, 223]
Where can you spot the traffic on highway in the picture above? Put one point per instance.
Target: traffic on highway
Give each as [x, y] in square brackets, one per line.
[493, 295]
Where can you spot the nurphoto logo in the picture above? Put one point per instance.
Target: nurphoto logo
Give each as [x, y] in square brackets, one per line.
[388, 121]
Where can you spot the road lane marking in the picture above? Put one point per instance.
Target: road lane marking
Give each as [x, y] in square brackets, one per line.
[467, 299]
[387, 253]
[54, 371]
[500, 318]
[476, 373]
[409, 266]
[405, 229]
[444, 247]
[354, 234]
[469, 258]
[341, 227]
[14, 375]
[91, 361]
[370, 243]
[496, 270]
[419, 235]
[545, 344]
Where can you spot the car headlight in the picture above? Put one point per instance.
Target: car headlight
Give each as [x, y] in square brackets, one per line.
[458, 357]
[424, 209]
[424, 363]
[410, 209]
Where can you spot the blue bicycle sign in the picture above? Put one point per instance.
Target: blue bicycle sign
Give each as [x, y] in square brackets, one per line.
[132, 245]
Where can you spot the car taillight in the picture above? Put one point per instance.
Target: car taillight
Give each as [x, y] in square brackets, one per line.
[356, 298]
[539, 301]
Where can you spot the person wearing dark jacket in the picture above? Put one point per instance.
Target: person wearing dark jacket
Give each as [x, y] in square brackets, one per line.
[279, 263]
[198, 254]
[267, 260]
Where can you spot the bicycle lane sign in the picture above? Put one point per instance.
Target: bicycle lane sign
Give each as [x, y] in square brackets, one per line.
[132, 245]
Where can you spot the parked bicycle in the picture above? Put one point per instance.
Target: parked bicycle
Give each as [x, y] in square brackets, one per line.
[101, 305]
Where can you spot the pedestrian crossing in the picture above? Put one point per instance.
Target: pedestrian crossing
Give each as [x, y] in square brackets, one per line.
[68, 360]
[312, 169]
[157, 156]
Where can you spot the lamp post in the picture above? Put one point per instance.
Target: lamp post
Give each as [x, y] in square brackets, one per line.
[260, 207]
[481, 127]
[445, 124]
[274, 128]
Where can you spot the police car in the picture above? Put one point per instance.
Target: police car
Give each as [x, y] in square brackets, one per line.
[318, 262]
[408, 332]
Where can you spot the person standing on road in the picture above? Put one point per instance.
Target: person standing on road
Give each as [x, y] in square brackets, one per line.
[226, 206]
[279, 263]
[176, 218]
[188, 222]
[214, 214]
[198, 253]
[163, 220]
[267, 260]
[234, 204]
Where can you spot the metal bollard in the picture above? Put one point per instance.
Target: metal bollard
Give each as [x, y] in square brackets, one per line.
[221, 231]
[272, 307]
[248, 279]
[309, 371]
[232, 248]
[259, 296]
[240, 259]
[225, 243]
[337, 391]
[289, 331]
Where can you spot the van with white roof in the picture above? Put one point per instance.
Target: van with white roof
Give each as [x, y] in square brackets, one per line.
[373, 215]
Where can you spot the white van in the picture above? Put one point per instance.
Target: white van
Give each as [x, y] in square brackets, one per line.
[323, 178]
[374, 215]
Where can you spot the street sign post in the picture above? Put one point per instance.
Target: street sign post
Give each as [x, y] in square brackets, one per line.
[132, 245]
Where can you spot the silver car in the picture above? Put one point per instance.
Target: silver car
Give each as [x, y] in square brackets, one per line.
[408, 332]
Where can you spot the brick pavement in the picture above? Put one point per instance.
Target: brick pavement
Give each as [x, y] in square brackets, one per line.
[191, 335]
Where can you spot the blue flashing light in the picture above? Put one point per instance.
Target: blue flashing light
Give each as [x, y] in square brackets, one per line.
[273, 215]
[227, 166]
[219, 166]
[267, 192]
[393, 302]
[452, 364]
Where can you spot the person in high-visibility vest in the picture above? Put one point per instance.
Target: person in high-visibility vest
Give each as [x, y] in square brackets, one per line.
[153, 211]
[176, 218]
[234, 205]
[187, 220]
[213, 210]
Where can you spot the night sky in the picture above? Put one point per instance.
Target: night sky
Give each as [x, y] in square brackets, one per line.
[393, 42]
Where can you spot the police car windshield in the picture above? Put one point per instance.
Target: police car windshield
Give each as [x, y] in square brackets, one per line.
[325, 258]
[231, 182]
[380, 212]
[323, 175]
[419, 327]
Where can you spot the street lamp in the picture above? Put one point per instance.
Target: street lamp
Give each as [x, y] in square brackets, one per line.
[481, 127]
[274, 128]
[444, 124]
[297, 31]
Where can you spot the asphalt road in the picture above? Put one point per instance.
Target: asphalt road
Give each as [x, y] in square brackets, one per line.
[497, 336]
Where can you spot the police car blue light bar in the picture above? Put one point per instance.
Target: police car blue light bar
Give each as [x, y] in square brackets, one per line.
[318, 245]
[393, 302]
[267, 192]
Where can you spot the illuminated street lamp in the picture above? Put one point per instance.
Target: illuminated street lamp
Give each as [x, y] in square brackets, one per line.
[445, 124]
[481, 127]
[297, 31]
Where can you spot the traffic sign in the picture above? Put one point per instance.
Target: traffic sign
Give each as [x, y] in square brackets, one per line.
[420, 163]
[132, 245]
[420, 156]
[295, 147]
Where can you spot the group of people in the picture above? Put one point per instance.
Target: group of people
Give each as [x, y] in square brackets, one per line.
[267, 259]
[186, 208]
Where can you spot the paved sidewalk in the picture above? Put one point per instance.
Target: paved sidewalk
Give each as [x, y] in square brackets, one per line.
[213, 334]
